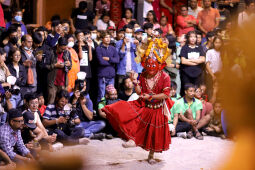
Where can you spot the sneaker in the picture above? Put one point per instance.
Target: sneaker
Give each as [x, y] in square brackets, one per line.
[83, 141]
[57, 146]
[182, 135]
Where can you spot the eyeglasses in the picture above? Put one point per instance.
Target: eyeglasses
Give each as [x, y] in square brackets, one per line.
[18, 121]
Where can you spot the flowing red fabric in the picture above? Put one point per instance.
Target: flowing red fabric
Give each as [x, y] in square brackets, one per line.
[147, 127]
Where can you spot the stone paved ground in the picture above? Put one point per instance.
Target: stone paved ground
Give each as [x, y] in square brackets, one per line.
[189, 154]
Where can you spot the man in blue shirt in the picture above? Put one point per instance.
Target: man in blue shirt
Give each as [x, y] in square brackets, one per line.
[17, 19]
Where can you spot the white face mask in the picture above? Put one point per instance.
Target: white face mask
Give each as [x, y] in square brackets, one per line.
[128, 35]
[93, 36]
[70, 44]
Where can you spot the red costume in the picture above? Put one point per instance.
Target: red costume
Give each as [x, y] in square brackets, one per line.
[145, 121]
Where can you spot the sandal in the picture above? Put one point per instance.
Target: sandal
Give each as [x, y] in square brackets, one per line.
[189, 134]
[199, 136]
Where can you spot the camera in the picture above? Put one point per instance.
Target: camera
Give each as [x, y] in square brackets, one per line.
[14, 89]
[70, 114]
[81, 76]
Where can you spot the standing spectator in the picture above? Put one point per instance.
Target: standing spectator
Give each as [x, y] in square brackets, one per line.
[29, 61]
[56, 31]
[192, 58]
[156, 8]
[104, 22]
[66, 26]
[2, 22]
[17, 19]
[209, 41]
[107, 57]
[247, 14]
[199, 37]
[185, 22]
[58, 79]
[208, 18]
[165, 26]
[147, 6]
[126, 49]
[72, 74]
[148, 29]
[127, 19]
[213, 63]
[44, 55]
[102, 6]
[4, 71]
[10, 137]
[57, 121]
[193, 8]
[12, 40]
[224, 14]
[17, 70]
[151, 18]
[84, 51]
[82, 17]
[167, 10]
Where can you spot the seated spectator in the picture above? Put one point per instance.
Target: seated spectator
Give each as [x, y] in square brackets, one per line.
[127, 89]
[31, 134]
[10, 137]
[203, 91]
[102, 6]
[6, 161]
[57, 121]
[4, 97]
[126, 49]
[84, 107]
[111, 96]
[107, 57]
[215, 127]
[17, 70]
[207, 107]
[28, 59]
[82, 17]
[72, 74]
[165, 27]
[189, 110]
[104, 22]
[174, 96]
[17, 19]
[12, 40]
[56, 31]
[185, 23]
[32, 113]
[247, 14]
[42, 106]
[151, 18]
[128, 18]
[62, 63]
[4, 71]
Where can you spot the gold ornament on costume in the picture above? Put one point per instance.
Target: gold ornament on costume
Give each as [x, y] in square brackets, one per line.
[154, 48]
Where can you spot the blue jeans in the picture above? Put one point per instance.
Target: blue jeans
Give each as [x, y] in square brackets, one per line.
[102, 83]
[92, 127]
[16, 100]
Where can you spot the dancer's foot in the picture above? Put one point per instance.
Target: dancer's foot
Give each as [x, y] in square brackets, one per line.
[152, 161]
[83, 141]
[129, 144]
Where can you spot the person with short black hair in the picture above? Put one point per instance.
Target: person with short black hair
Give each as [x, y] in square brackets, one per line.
[247, 14]
[148, 28]
[66, 26]
[126, 89]
[61, 65]
[62, 122]
[82, 17]
[12, 36]
[10, 137]
[56, 31]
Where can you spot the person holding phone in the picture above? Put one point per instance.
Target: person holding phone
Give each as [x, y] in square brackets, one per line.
[126, 49]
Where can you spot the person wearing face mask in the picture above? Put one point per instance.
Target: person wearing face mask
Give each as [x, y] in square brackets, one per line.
[126, 49]
[17, 19]
[72, 74]
[44, 55]
[11, 41]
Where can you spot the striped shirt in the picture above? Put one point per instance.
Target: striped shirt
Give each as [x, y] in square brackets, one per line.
[10, 138]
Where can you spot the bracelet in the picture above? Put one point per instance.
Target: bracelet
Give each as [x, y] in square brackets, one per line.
[150, 98]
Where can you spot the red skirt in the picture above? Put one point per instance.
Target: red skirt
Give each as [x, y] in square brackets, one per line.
[147, 127]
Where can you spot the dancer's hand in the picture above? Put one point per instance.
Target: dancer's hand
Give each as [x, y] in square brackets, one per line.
[145, 96]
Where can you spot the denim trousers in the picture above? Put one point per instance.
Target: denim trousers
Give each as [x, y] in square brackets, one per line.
[92, 127]
[16, 100]
[102, 83]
